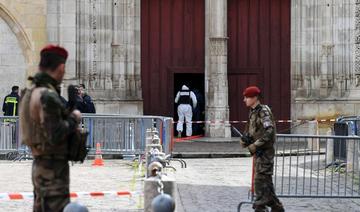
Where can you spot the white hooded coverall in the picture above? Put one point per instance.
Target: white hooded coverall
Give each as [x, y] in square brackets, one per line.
[185, 110]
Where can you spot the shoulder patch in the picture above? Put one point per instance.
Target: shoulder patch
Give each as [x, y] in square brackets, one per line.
[263, 113]
[267, 124]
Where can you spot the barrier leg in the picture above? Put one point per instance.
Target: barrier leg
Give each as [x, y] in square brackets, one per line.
[252, 189]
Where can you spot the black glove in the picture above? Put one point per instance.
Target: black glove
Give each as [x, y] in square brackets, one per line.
[246, 140]
[259, 153]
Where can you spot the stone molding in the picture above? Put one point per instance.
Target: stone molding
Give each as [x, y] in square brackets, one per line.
[21, 35]
[218, 46]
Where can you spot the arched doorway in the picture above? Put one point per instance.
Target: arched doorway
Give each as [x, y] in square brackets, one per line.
[172, 43]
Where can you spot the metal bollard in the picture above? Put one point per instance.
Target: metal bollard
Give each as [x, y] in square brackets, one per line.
[153, 151]
[159, 189]
[152, 191]
[163, 203]
[75, 207]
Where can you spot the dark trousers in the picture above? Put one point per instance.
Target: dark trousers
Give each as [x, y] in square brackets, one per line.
[265, 194]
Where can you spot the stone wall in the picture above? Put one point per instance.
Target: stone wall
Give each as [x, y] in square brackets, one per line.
[23, 34]
[322, 64]
[103, 38]
[61, 30]
[12, 61]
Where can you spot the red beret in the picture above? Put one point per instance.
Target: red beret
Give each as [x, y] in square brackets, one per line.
[251, 91]
[55, 49]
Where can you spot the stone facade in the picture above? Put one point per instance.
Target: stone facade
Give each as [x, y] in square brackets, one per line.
[103, 37]
[23, 34]
[324, 81]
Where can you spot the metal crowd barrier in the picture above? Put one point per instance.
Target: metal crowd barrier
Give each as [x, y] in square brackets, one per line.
[125, 135]
[307, 166]
[117, 134]
[9, 139]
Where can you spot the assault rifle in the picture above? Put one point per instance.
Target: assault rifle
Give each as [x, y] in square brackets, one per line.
[247, 139]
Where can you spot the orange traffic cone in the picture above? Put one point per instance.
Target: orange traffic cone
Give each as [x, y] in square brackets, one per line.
[98, 157]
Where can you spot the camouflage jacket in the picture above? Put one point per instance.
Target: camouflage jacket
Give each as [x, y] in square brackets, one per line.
[45, 123]
[261, 127]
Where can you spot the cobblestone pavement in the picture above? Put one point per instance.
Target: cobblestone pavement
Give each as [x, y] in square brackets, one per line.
[220, 184]
[117, 175]
[206, 185]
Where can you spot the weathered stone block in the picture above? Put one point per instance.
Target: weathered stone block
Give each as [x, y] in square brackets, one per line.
[68, 6]
[68, 20]
[52, 20]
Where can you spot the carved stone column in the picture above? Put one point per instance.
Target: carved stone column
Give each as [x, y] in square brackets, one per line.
[61, 27]
[355, 90]
[217, 108]
[357, 43]
[326, 81]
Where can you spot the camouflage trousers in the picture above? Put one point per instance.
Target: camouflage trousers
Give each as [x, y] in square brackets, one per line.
[265, 194]
[51, 185]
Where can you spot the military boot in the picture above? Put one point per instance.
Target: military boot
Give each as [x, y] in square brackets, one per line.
[277, 208]
[260, 209]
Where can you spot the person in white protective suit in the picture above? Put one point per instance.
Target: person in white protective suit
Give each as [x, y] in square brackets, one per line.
[184, 98]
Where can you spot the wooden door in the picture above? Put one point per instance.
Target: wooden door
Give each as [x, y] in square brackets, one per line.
[259, 54]
[172, 41]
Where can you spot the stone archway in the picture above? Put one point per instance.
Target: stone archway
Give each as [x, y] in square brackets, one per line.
[19, 32]
[15, 53]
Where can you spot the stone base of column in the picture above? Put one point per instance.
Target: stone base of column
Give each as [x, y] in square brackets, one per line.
[218, 129]
[354, 94]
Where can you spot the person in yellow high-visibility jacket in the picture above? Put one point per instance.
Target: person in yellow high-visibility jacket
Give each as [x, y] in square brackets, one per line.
[10, 108]
[11, 102]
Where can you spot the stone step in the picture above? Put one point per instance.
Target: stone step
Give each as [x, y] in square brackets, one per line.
[209, 148]
[228, 147]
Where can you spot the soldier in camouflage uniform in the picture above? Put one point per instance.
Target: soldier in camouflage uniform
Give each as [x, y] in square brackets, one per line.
[46, 127]
[261, 131]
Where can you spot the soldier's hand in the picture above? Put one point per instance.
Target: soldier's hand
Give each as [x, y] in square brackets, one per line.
[252, 148]
[246, 140]
[243, 144]
[77, 115]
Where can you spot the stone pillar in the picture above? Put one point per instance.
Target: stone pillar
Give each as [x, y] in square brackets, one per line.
[355, 92]
[325, 74]
[61, 26]
[216, 83]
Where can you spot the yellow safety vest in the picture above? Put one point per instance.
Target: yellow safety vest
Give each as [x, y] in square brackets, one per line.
[14, 101]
